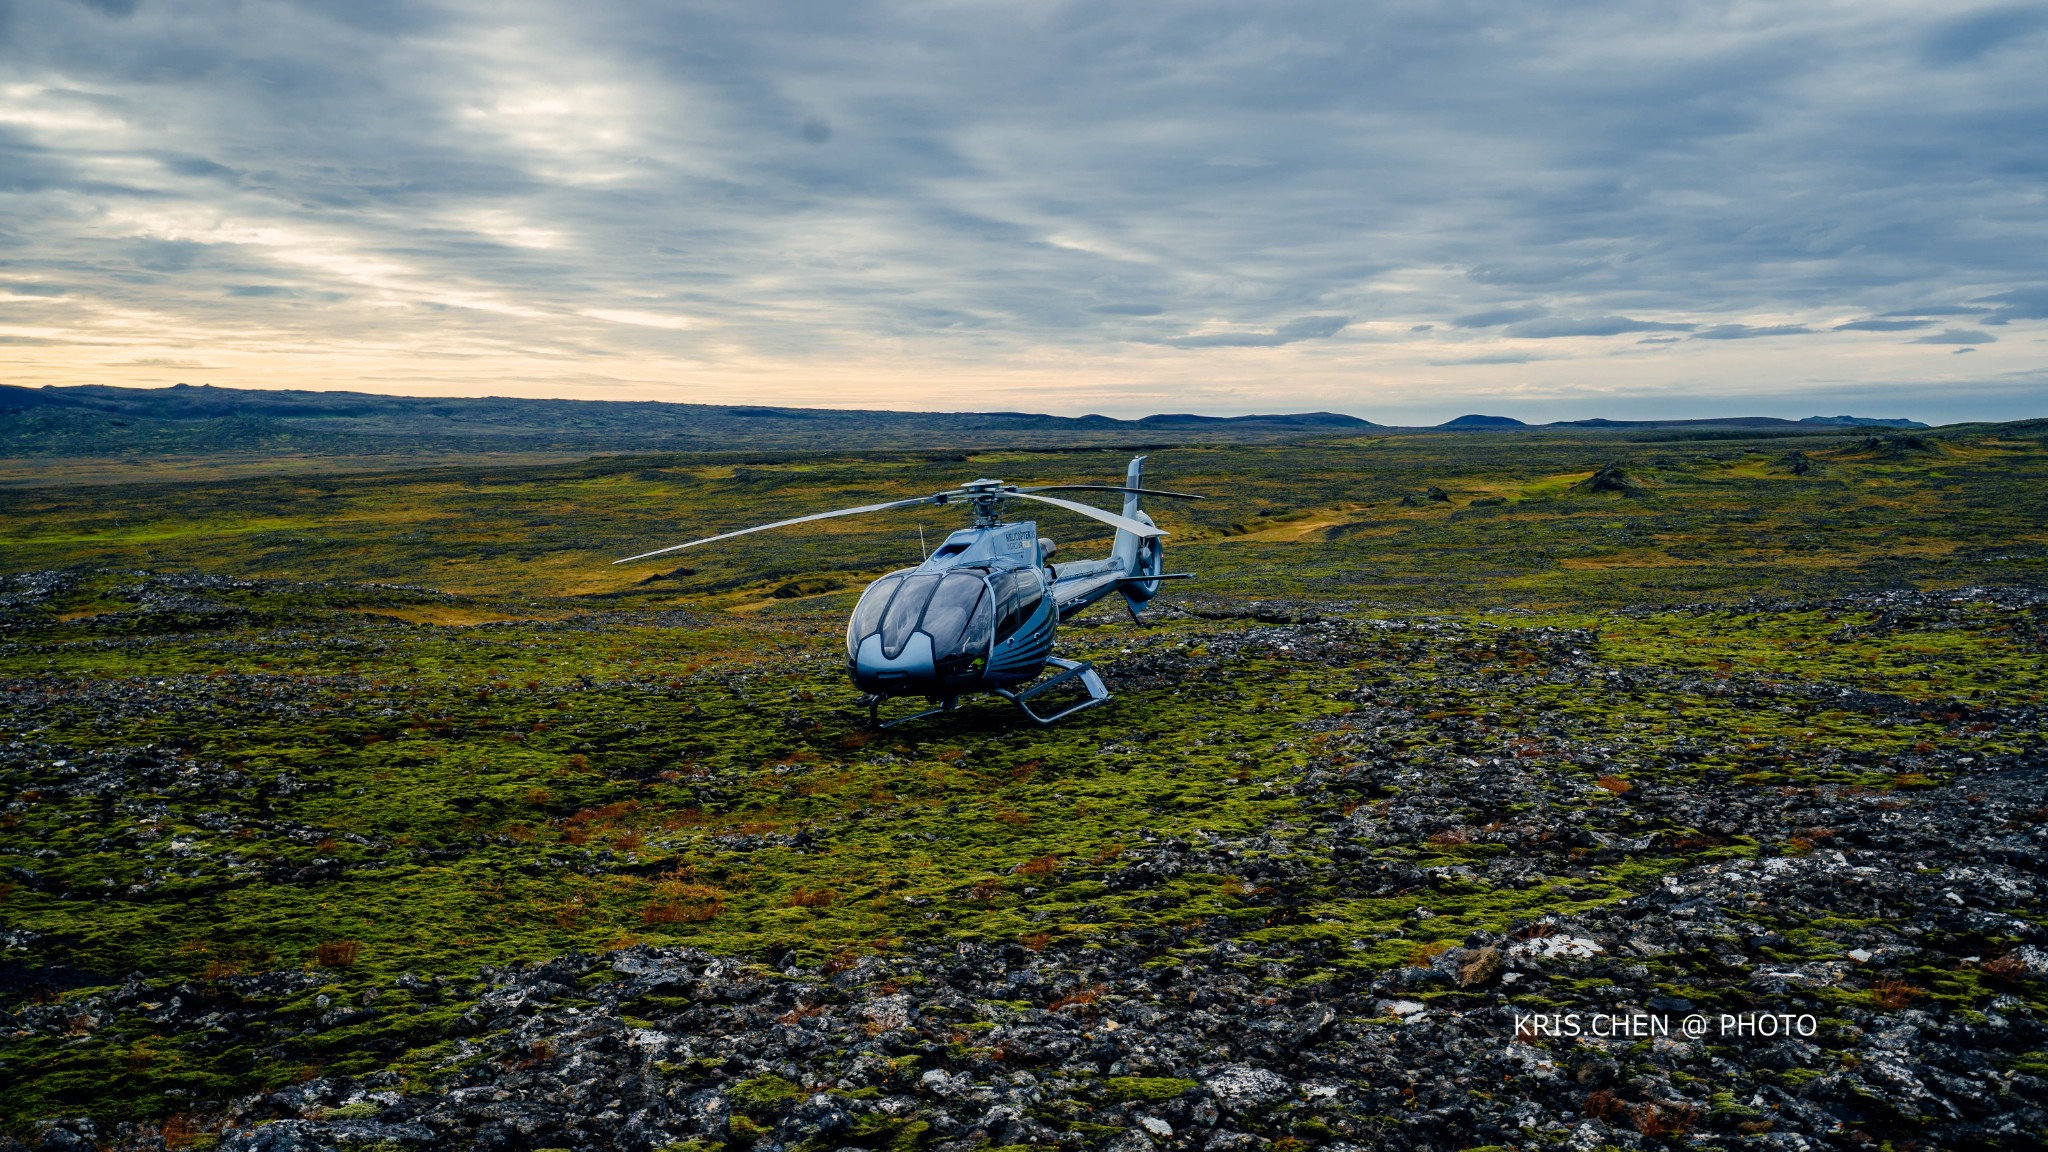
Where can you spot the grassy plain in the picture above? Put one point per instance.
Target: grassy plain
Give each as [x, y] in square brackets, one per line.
[424, 726]
[1712, 517]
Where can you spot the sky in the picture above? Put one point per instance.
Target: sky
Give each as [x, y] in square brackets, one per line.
[1404, 211]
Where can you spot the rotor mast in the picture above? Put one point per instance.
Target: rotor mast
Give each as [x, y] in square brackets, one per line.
[986, 496]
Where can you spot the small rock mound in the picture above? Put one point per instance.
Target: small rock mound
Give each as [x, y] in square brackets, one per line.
[1610, 478]
[1795, 462]
[1894, 446]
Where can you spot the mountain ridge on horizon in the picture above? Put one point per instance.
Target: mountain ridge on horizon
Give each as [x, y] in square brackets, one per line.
[188, 402]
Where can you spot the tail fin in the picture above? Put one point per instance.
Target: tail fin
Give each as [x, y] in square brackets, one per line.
[1125, 551]
[1134, 555]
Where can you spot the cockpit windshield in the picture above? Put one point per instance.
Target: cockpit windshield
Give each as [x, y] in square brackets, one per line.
[954, 609]
[867, 615]
[901, 618]
[952, 606]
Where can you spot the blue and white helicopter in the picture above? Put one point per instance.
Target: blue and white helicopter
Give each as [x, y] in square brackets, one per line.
[979, 614]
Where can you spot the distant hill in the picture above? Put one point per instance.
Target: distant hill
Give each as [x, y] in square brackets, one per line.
[1711, 422]
[1740, 422]
[1863, 422]
[1483, 422]
[96, 420]
[1297, 420]
[1477, 423]
[197, 421]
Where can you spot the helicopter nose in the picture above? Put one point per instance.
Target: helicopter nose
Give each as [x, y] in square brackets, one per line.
[912, 671]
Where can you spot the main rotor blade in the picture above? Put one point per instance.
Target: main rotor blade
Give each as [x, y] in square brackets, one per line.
[939, 498]
[1134, 527]
[1110, 488]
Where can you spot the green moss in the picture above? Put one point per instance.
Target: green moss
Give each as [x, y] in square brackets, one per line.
[910, 1137]
[745, 1131]
[511, 768]
[1151, 1089]
[2032, 1064]
[763, 1091]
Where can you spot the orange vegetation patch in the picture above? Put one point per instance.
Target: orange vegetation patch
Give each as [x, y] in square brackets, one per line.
[1039, 866]
[1079, 998]
[336, 953]
[679, 903]
[450, 616]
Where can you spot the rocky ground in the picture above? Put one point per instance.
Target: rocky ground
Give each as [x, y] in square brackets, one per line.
[1881, 903]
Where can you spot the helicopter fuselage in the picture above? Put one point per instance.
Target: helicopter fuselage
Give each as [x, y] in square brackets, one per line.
[979, 614]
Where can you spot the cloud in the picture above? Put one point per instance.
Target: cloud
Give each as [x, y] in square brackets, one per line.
[1306, 328]
[1593, 326]
[1956, 336]
[2029, 303]
[166, 255]
[1537, 273]
[867, 202]
[1494, 318]
[1746, 332]
[1968, 38]
[1882, 325]
[1502, 358]
[640, 319]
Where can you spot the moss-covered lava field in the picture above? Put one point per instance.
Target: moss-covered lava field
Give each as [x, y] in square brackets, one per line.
[381, 811]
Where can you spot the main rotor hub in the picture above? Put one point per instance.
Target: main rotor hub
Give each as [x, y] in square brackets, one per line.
[987, 497]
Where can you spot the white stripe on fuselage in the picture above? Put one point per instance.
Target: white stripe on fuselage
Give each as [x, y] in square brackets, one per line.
[1083, 583]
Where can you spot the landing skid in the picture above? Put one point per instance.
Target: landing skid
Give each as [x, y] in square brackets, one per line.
[1070, 671]
[874, 704]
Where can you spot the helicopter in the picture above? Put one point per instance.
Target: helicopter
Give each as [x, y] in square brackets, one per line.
[979, 614]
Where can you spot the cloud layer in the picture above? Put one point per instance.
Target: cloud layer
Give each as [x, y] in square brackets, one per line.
[1384, 209]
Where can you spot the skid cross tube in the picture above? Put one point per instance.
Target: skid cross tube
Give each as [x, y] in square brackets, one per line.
[874, 704]
[1069, 670]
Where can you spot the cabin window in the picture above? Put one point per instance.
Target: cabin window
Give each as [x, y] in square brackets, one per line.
[1020, 594]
